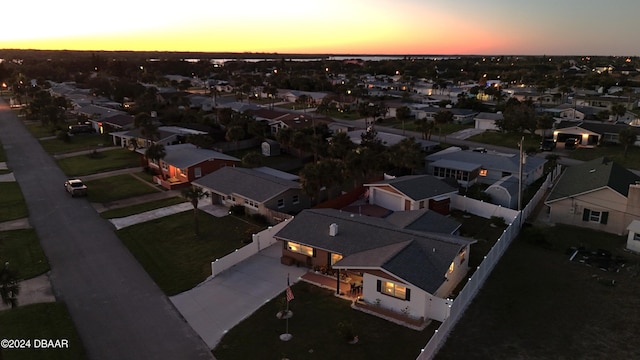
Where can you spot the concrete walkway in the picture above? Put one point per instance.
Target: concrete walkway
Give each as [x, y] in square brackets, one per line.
[220, 303]
[33, 291]
[215, 210]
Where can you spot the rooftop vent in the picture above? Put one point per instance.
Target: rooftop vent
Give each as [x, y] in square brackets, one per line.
[333, 229]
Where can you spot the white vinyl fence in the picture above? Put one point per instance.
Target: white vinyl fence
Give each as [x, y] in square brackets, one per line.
[260, 241]
[476, 281]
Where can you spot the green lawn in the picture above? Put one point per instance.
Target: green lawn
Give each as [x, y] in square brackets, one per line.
[174, 257]
[117, 188]
[104, 161]
[344, 115]
[439, 130]
[21, 248]
[614, 152]
[40, 321]
[317, 316]
[37, 130]
[538, 305]
[76, 143]
[12, 205]
[510, 140]
[140, 208]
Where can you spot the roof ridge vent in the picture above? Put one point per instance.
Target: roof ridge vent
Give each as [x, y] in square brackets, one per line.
[333, 229]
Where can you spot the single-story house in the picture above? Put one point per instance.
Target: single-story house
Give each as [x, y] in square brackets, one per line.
[424, 220]
[389, 139]
[411, 192]
[119, 122]
[598, 194]
[404, 271]
[184, 163]
[460, 116]
[166, 135]
[590, 133]
[263, 192]
[633, 238]
[485, 167]
[487, 121]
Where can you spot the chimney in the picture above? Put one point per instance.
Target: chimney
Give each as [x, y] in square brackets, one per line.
[633, 200]
[333, 229]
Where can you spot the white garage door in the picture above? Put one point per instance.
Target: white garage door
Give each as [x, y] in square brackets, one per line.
[389, 201]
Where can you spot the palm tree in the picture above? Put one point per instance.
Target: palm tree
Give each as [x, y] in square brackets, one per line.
[194, 194]
[9, 286]
[627, 137]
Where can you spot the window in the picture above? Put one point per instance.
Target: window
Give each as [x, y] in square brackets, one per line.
[197, 172]
[599, 217]
[296, 199]
[636, 236]
[299, 248]
[462, 254]
[280, 203]
[421, 206]
[393, 289]
[483, 172]
[335, 258]
[451, 267]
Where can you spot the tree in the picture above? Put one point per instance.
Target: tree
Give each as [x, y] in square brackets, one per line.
[403, 114]
[340, 145]
[426, 127]
[235, 134]
[155, 153]
[144, 123]
[285, 137]
[627, 137]
[443, 117]
[252, 159]
[618, 110]
[544, 122]
[406, 155]
[9, 286]
[518, 117]
[194, 194]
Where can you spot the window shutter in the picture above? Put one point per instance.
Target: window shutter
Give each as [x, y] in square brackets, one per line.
[585, 214]
[314, 252]
[379, 286]
[408, 294]
[604, 217]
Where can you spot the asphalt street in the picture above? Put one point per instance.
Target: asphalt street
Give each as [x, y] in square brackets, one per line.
[119, 312]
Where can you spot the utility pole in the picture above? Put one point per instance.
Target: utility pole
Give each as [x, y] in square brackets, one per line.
[521, 162]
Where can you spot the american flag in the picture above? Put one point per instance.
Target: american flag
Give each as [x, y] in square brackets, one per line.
[289, 292]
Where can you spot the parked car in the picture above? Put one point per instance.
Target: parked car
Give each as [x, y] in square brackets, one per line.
[81, 129]
[571, 143]
[75, 187]
[547, 144]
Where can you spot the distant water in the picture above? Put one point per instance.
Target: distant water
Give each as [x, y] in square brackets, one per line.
[221, 61]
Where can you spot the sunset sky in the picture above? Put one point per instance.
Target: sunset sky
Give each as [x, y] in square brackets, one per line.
[461, 27]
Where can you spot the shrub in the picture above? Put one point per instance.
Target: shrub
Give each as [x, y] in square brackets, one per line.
[237, 210]
[63, 135]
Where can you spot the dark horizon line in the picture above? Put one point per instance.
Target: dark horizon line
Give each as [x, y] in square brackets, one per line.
[302, 55]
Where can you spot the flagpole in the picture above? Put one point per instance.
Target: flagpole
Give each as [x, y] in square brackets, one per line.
[286, 336]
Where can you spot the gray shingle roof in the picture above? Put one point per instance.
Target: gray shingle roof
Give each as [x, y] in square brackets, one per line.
[419, 258]
[186, 155]
[418, 187]
[489, 160]
[248, 183]
[592, 175]
[423, 220]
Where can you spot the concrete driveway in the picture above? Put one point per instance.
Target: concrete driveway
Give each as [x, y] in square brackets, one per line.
[220, 303]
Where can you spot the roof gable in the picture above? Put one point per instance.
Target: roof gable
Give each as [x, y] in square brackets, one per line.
[418, 187]
[593, 175]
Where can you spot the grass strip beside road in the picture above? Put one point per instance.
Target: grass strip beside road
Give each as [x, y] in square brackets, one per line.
[76, 143]
[174, 257]
[50, 321]
[12, 205]
[100, 162]
[117, 187]
[22, 250]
